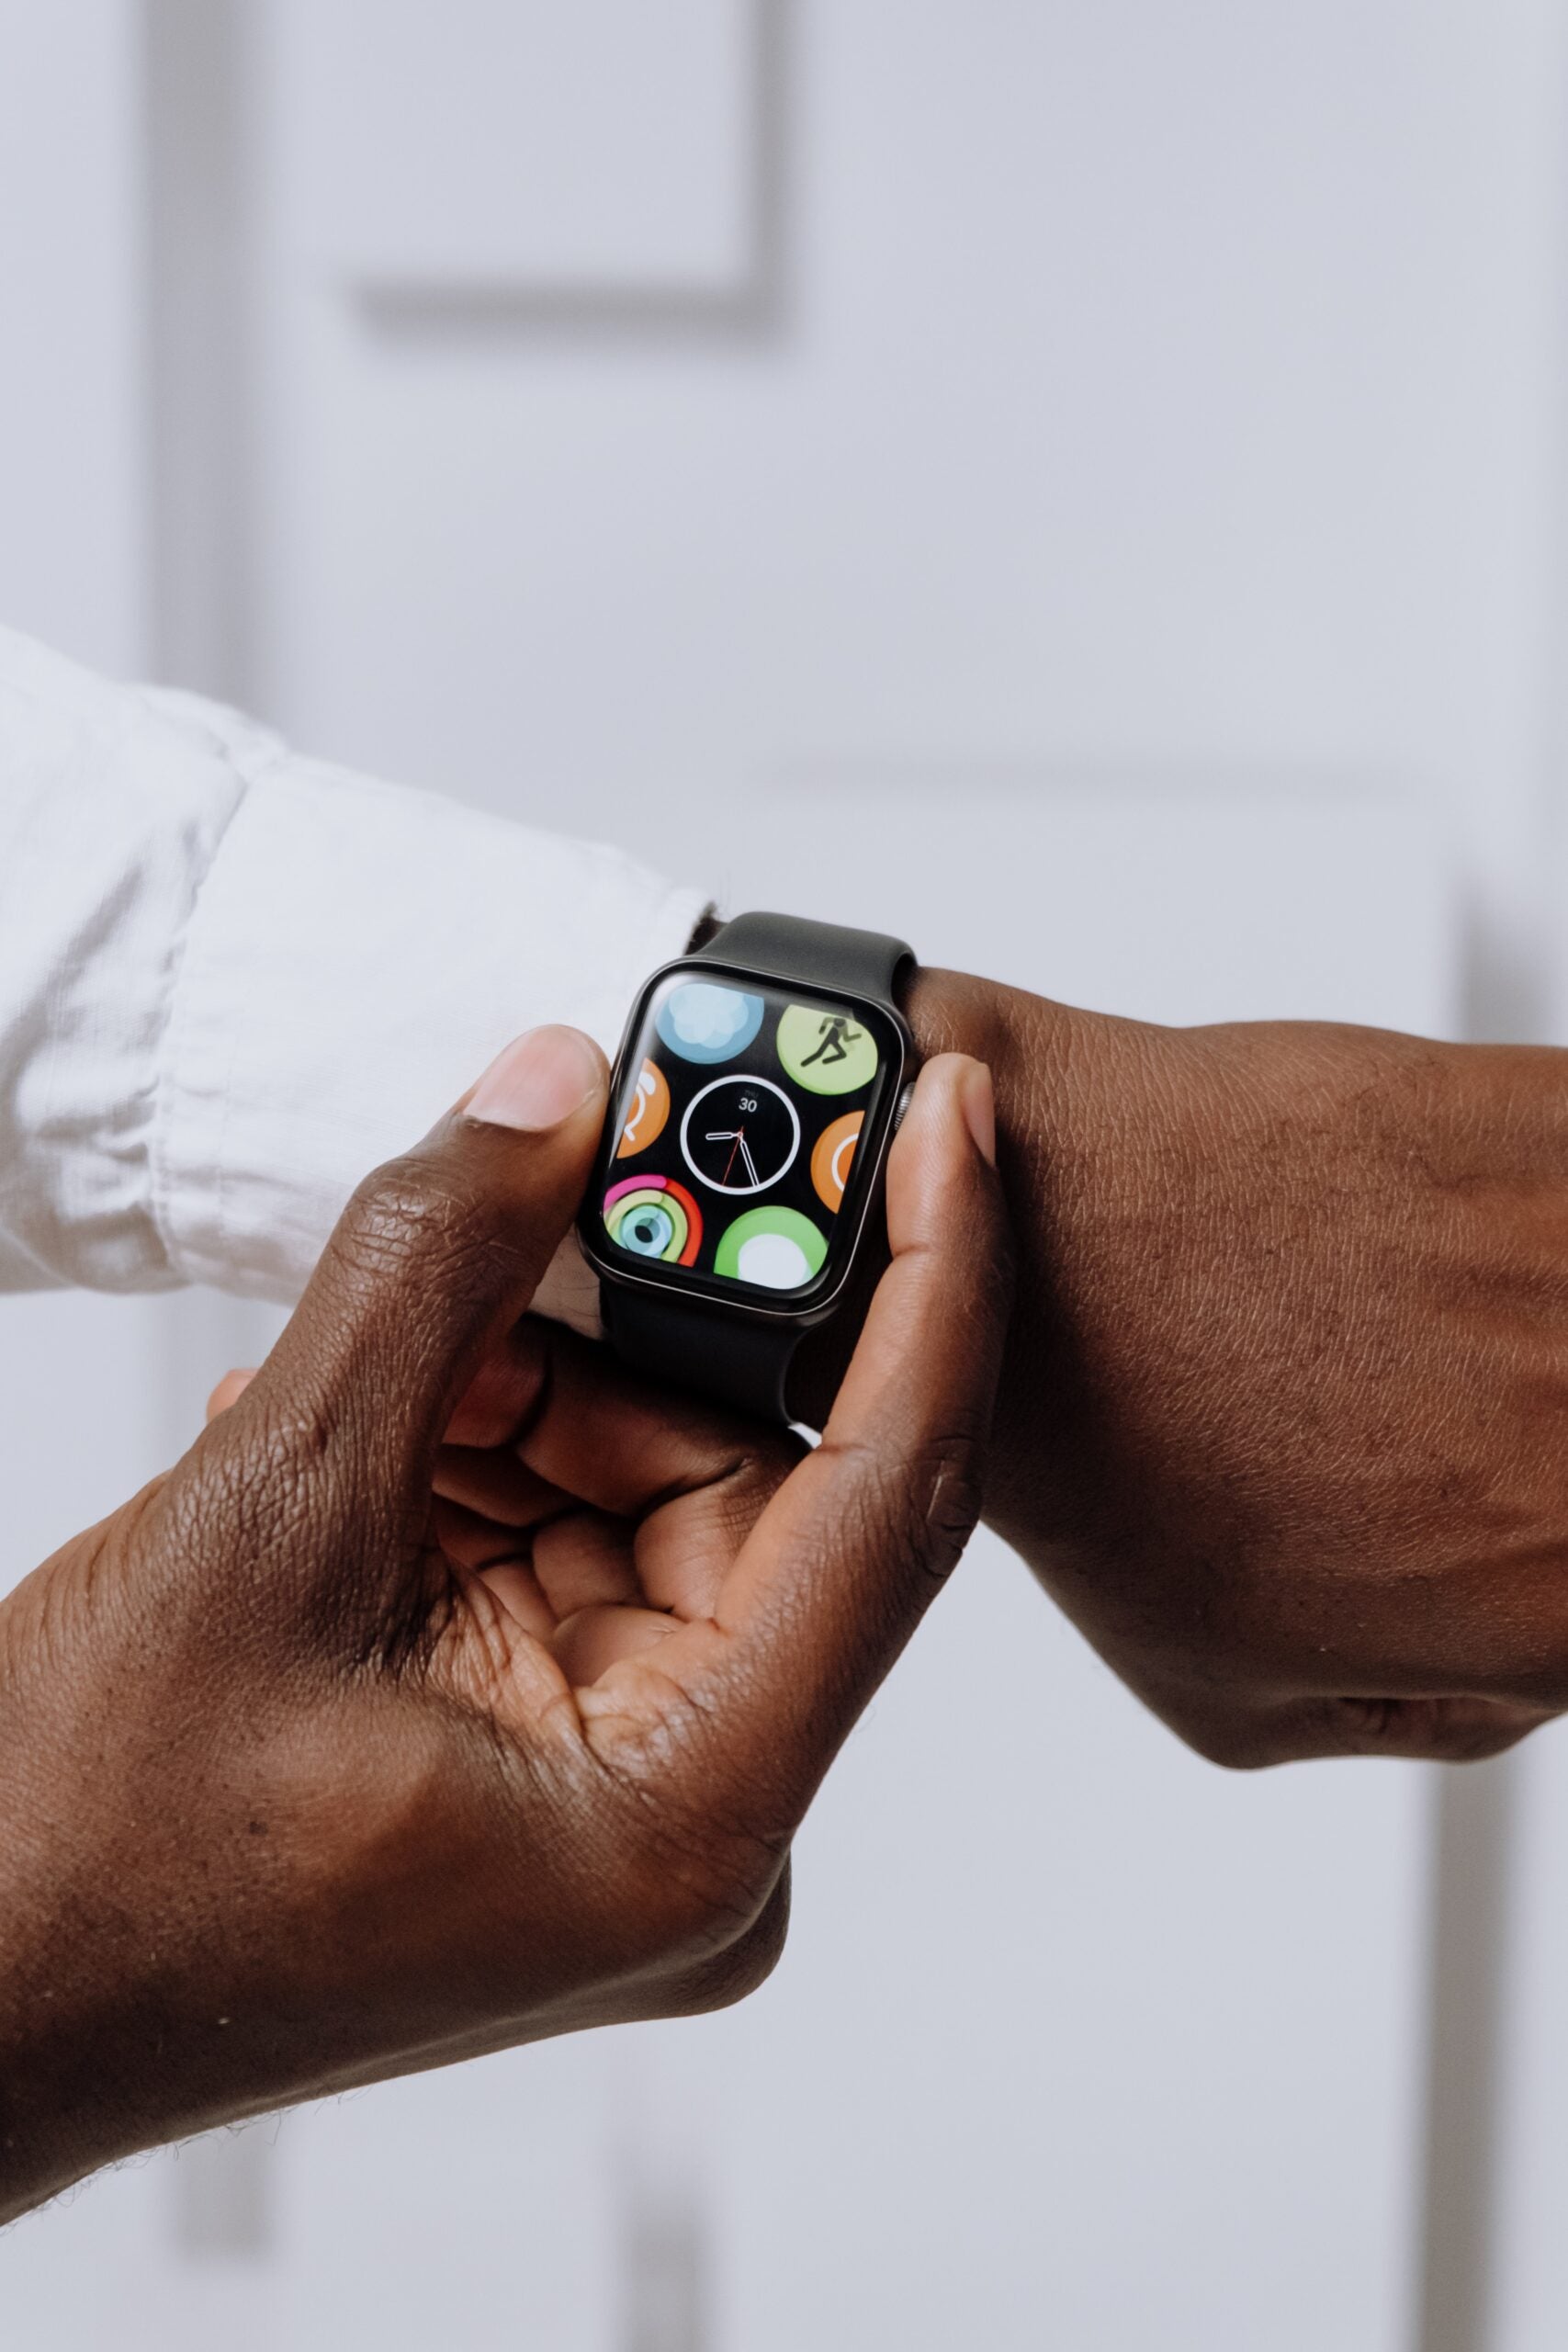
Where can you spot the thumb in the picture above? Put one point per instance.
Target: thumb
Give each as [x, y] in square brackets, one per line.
[852, 1548]
[438, 1254]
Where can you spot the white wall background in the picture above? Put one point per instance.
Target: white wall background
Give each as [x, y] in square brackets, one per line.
[1082, 484]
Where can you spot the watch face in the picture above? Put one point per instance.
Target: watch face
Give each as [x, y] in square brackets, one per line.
[747, 1125]
[740, 1134]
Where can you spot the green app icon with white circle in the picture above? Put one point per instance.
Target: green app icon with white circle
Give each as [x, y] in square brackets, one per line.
[828, 1052]
[777, 1249]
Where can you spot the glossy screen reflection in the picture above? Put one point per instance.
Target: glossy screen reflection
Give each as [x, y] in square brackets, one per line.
[741, 1115]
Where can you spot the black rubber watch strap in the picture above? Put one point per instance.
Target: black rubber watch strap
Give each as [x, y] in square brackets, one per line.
[819, 954]
[743, 1365]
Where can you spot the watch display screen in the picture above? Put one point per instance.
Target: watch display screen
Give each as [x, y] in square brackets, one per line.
[734, 1144]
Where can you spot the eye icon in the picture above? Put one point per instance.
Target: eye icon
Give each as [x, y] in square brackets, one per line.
[652, 1217]
[647, 1110]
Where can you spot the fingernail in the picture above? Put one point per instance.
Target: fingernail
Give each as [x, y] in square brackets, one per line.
[978, 1097]
[538, 1081]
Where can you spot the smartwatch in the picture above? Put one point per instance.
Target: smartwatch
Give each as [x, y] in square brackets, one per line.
[755, 1095]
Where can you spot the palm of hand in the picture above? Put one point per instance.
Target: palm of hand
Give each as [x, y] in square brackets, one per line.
[564, 1588]
[577, 1522]
[589, 1523]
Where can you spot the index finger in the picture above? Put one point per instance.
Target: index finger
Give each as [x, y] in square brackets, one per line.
[857, 1541]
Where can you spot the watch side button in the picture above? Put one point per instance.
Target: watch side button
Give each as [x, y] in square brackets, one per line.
[901, 1107]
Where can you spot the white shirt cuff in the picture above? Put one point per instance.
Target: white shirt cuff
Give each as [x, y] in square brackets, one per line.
[355, 956]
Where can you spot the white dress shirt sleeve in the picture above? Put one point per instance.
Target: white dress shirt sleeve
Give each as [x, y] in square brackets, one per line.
[232, 979]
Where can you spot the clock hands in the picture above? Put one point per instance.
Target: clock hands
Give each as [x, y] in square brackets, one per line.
[736, 1136]
[726, 1135]
[752, 1153]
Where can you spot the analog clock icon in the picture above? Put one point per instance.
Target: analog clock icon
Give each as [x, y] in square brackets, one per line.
[740, 1134]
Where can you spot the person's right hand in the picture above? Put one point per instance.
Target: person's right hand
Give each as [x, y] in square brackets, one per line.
[1283, 1420]
[456, 1689]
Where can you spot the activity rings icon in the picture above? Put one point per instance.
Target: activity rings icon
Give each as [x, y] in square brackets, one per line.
[654, 1217]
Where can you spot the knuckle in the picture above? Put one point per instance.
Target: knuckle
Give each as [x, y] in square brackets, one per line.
[919, 1502]
[954, 1495]
[410, 1212]
[933, 1497]
[263, 1509]
[256, 1508]
[726, 1508]
[252, 1490]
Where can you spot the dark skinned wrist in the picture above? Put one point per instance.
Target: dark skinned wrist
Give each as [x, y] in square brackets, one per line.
[1053, 1070]
[73, 1933]
[140, 2000]
[1283, 1390]
[1286, 1376]
[1040, 1054]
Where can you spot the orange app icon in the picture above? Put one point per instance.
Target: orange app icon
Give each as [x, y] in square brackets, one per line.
[830, 1157]
[646, 1112]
